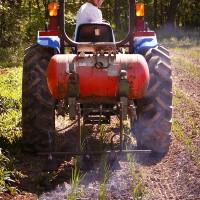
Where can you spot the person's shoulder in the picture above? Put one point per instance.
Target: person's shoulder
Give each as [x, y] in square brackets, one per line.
[90, 5]
[87, 4]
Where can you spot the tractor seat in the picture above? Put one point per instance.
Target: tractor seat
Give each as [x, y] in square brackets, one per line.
[94, 32]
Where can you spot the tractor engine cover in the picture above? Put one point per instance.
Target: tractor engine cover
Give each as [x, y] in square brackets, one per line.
[97, 76]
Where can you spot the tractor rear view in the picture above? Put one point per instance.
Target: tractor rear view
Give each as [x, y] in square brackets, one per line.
[130, 79]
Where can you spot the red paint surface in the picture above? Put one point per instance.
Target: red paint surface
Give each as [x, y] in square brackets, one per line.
[49, 33]
[98, 83]
[144, 33]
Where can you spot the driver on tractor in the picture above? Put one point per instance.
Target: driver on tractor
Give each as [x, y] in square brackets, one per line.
[89, 12]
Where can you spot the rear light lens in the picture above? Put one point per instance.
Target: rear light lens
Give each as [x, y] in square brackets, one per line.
[139, 9]
[53, 9]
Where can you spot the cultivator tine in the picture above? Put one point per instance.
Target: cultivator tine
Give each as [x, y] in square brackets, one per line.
[50, 164]
[113, 161]
[78, 107]
[87, 162]
[121, 125]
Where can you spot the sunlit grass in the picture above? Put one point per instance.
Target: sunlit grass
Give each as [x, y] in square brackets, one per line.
[190, 128]
[190, 116]
[179, 131]
[103, 190]
[191, 53]
[179, 38]
[76, 179]
[191, 68]
[11, 57]
[138, 187]
[184, 49]
[10, 99]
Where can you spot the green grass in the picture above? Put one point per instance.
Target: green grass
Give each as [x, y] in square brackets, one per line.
[184, 49]
[10, 118]
[138, 187]
[11, 57]
[190, 128]
[76, 179]
[179, 38]
[106, 176]
[189, 53]
[187, 60]
[192, 69]
[179, 131]
[10, 99]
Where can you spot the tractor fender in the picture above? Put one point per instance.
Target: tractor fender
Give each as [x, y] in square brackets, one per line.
[145, 43]
[51, 41]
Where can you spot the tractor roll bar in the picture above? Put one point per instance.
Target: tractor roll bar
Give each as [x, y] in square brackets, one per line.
[129, 37]
[64, 36]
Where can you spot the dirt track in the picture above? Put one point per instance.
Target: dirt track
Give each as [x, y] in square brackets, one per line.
[177, 175]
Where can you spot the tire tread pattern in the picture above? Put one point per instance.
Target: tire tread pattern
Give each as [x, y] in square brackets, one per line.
[38, 114]
[153, 126]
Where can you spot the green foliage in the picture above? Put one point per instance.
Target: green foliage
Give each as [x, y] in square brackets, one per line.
[185, 15]
[11, 56]
[179, 38]
[20, 20]
[5, 173]
[10, 99]
[106, 176]
[75, 181]
[44, 181]
[139, 191]
[179, 129]
[8, 175]
[137, 184]
[10, 125]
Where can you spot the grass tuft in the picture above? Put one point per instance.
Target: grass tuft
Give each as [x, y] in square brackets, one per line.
[76, 178]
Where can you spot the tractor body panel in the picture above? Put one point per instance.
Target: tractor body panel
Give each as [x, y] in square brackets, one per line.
[49, 39]
[144, 41]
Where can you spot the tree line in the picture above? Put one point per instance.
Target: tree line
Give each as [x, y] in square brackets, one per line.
[21, 19]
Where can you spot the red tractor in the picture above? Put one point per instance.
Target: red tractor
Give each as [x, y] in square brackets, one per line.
[130, 78]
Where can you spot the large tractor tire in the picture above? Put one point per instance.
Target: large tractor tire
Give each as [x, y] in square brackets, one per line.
[153, 125]
[38, 114]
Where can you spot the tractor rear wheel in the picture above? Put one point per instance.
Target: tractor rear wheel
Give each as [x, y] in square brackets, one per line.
[153, 125]
[38, 114]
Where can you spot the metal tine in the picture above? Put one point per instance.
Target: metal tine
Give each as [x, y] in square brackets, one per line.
[50, 164]
[113, 161]
[87, 162]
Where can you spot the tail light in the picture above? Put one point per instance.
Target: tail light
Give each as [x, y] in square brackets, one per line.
[53, 9]
[140, 10]
[53, 17]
